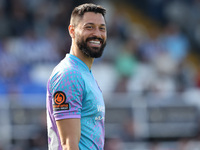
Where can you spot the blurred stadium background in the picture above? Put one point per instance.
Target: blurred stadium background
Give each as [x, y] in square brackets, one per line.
[149, 73]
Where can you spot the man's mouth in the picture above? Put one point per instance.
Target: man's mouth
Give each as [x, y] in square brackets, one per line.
[95, 42]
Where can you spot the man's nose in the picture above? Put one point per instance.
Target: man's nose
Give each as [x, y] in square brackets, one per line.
[97, 33]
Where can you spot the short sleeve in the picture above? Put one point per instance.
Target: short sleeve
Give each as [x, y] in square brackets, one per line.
[67, 90]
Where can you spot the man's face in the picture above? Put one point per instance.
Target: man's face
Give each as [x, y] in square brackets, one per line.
[91, 34]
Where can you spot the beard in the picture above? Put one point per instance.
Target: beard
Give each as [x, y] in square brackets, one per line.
[93, 52]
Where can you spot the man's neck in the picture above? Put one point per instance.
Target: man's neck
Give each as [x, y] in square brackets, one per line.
[87, 60]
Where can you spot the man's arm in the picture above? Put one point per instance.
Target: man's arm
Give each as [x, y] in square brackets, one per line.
[70, 132]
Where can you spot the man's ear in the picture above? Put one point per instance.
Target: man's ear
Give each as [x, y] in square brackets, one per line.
[71, 31]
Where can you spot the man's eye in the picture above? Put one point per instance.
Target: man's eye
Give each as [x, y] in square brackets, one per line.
[102, 28]
[89, 27]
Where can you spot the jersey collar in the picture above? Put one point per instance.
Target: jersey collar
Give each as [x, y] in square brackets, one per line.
[80, 62]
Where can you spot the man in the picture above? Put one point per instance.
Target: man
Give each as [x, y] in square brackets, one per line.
[75, 105]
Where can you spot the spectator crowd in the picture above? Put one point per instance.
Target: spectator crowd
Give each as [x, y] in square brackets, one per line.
[152, 62]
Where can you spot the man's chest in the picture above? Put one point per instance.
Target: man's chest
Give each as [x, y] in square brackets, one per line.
[93, 102]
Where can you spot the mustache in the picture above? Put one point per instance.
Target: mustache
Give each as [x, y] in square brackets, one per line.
[94, 38]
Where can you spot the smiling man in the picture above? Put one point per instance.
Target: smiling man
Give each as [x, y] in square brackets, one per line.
[75, 105]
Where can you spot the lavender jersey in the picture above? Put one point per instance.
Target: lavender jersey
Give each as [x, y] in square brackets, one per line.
[72, 92]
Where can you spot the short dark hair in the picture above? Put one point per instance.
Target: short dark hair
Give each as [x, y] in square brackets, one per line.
[80, 10]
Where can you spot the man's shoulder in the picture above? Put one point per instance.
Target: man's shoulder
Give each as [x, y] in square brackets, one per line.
[62, 75]
[66, 66]
[66, 71]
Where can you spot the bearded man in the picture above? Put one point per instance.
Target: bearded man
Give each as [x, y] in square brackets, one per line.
[75, 105]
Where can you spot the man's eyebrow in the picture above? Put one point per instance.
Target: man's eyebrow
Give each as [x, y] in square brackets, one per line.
[93, 24]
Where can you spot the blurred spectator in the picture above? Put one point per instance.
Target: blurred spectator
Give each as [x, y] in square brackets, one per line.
[114, 143]
[188, 144]
[11, 69]
[128, 133]
[118, 32]
[156, 10]
[4, 24]
[150, 48]
[198, 79]
[156, 146]
[20, 19]
[175, 42]
[184, 76]
[126, 65]
[196, 33]
[39, 138]
[34, 36]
